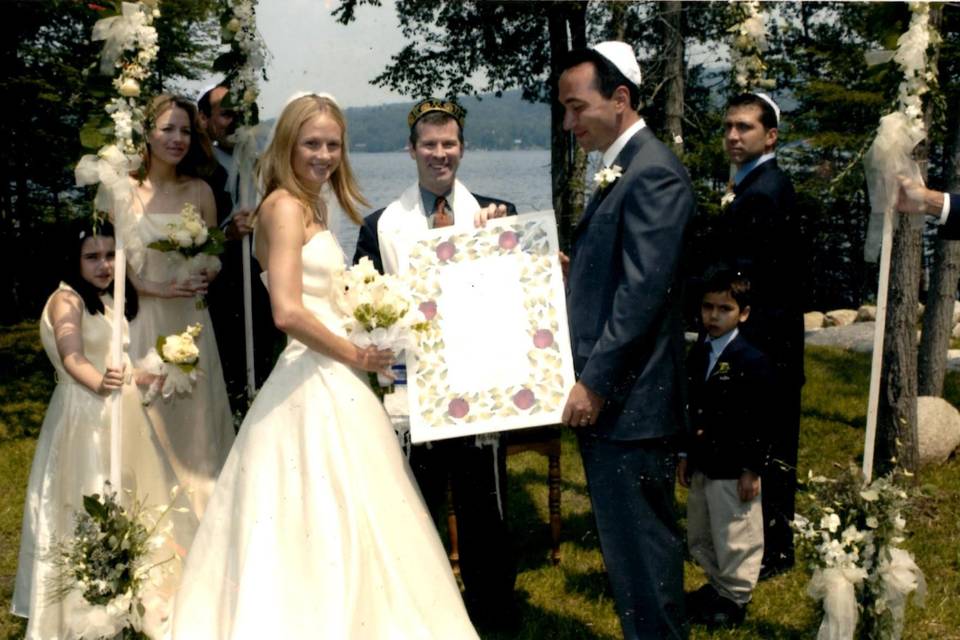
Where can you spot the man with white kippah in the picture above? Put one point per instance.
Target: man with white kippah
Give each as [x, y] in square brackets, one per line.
[756, 234]
[624, 306]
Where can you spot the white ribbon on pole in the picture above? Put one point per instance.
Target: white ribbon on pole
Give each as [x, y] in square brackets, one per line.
[242, 175]
[837, 588]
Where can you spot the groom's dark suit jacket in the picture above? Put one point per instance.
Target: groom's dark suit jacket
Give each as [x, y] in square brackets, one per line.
[624, 293]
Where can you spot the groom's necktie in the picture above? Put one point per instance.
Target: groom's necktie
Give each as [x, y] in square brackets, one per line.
[441, 217]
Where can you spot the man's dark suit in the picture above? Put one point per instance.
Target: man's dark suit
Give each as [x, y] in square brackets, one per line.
[951, 228]
[758, 236]
[729, 417]
[487, 562]
[623, 303]
[226, 310]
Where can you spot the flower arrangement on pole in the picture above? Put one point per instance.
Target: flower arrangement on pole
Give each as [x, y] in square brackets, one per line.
[112, 574]
[850, 538]
[129, 49]
[243, 64]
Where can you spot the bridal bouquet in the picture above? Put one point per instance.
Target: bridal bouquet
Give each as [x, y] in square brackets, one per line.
[380, 309]
[198, 244]
[107, 575]
[851, 539]
[174, 363]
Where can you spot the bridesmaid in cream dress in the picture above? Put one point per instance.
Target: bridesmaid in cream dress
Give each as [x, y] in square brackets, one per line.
[72, 458]
[196, 430]
[316, 528]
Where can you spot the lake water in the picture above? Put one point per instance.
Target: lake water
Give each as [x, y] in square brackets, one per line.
[521, 177]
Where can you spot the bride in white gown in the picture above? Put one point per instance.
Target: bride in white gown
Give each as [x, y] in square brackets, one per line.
[315, 528]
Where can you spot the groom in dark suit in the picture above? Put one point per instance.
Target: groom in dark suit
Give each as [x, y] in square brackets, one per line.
[624, 305]
[757, 236]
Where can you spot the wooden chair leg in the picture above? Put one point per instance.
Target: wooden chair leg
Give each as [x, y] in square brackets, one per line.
[554, 501]
[452, 531]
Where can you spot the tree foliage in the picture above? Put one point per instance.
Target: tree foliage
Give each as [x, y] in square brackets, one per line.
[52, 79]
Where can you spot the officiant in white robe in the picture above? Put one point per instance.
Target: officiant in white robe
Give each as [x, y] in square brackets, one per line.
[475, 468]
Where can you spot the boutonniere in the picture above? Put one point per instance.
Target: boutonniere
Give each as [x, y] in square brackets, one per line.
[728, 197]
[722, 369]
[607, 176]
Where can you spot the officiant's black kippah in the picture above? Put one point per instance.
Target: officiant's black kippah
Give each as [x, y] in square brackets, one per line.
[433, 105]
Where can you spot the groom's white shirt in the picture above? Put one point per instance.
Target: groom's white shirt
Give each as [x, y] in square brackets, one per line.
[404, 221]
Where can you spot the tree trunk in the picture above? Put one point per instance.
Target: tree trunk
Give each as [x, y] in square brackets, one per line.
[897, 443]
[938, 317]
[897, 412]
[567, 27]
[671, 14]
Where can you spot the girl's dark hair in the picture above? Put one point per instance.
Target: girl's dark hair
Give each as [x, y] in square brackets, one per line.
[77, 232]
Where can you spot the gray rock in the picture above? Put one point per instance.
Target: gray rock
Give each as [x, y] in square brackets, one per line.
[867, 313]
[938, 429]
[956, 331]
[854, 337]
[813, 320]
[840, 318]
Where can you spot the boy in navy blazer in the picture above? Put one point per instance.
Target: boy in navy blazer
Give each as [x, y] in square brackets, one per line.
[726, 452]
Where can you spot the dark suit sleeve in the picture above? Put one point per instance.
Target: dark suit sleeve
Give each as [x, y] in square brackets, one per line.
[950, 230]
[368, 244]
[654, 213]
[758, 420]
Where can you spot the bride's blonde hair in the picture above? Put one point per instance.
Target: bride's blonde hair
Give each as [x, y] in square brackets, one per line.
[275, 168]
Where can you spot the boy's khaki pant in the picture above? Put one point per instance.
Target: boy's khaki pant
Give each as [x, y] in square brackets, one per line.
[725, 536]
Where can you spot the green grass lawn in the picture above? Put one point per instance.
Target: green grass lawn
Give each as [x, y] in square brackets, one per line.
[572, 601]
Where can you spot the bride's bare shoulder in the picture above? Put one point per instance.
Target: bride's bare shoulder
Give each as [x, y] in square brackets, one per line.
[281, 206]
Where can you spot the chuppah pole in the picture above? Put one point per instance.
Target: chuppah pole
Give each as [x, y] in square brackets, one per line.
[116, 359]
[876, 366]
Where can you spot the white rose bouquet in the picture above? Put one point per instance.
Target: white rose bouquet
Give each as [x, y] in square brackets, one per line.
[110, 575]
[850, 541]
[174, 363]
[380, 309]
[196, 243]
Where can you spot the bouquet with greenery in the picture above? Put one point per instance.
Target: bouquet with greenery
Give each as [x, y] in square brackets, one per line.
[380, 309]
[173, 362]
[198, 244]
[108, 573]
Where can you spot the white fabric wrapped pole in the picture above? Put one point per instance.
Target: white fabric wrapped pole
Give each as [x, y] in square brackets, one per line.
[245, 154]
[116, 359]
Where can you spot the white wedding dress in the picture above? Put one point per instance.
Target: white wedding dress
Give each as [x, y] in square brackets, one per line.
[196, 430]
[315, 528]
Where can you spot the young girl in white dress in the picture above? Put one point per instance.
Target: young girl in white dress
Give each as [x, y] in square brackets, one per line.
[195, 431]
[72, 458]
[316, 528]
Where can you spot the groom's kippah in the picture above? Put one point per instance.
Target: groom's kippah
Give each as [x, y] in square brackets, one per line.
[436, 105]
[769, 101]
[621, 55]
